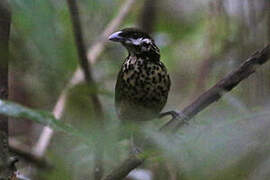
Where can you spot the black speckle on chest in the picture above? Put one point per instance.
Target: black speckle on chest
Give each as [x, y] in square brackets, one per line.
[145, 81]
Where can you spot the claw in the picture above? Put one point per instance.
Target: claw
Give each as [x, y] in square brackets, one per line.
[176, 116]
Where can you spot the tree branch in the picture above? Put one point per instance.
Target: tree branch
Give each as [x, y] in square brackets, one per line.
[7, 163]
[95, 50]
[80, 44]
[86, 67]
[247, 68]
[148, 16]
[24, 152]
[213, 94]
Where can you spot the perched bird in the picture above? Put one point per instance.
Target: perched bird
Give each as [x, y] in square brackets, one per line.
[143, 83]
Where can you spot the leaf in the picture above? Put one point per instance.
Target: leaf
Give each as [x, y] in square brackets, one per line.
[43, 117]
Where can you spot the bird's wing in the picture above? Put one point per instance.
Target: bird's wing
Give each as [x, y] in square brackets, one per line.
[118, 90]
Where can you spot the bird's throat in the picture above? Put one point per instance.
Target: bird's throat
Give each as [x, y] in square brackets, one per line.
[147, 55]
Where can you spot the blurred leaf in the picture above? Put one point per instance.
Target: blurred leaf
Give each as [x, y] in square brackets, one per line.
[43, 117]
[59, 172]
[228, 148]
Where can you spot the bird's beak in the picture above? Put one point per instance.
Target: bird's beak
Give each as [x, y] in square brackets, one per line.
[116, 37]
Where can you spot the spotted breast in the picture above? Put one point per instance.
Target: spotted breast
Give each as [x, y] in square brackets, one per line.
[142, 89]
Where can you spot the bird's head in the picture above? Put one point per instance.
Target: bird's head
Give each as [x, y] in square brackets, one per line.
[136, 41]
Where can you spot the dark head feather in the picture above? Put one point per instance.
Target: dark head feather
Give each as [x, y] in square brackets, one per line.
[137, 43]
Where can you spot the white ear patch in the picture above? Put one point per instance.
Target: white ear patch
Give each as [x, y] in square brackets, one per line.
[148, 41]
[136, 41]
[140, 41]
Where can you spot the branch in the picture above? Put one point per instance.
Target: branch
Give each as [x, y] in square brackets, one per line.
[7, 163]
[247, 68]
[225, 85]
[84, 64]
[93, 54]
[148, 16]
[80, 45]
[24, 152]
[95, 51]
[86, 67]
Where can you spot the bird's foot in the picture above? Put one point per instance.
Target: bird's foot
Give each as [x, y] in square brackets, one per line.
[176, 115]
[178, 119]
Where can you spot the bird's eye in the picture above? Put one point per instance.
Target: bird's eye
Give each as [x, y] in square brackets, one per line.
[145, 44]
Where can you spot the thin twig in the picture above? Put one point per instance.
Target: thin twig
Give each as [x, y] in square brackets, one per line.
[95, 51]
[86, 67]
[93, 55]
[247, 68]
[80, 44]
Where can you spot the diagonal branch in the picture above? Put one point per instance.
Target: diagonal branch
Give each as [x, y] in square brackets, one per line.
[247, 68]
[226, 84]
[95, 51]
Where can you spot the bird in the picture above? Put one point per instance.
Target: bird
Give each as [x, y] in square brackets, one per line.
[143, 83]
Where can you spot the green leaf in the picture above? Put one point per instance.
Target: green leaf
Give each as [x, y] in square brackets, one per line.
[43, 117]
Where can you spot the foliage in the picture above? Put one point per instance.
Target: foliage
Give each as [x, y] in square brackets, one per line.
[200, 42]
